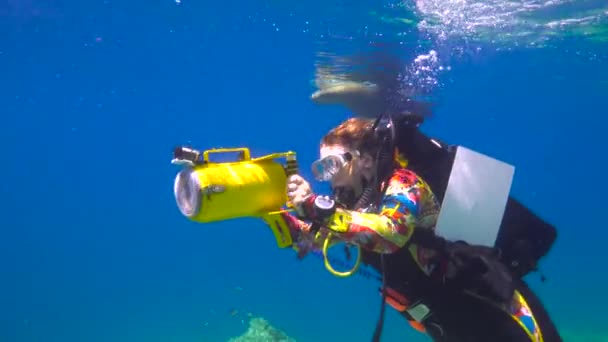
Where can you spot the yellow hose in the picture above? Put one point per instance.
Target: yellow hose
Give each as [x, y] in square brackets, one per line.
[331, 269]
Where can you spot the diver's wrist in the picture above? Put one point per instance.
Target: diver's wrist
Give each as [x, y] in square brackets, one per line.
[324, 207]
[306, 210]
[318, 209]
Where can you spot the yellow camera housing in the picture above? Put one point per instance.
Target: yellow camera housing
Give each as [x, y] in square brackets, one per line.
[209, 191]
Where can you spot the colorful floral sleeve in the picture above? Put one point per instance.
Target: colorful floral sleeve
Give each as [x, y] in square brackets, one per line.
[304, 241]
[408, 204]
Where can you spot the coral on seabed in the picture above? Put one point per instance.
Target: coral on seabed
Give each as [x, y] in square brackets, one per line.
[261, 331]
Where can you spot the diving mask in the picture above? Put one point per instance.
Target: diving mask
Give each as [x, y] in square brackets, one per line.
[327, 167]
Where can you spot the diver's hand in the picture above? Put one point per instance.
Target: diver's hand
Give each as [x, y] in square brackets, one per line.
[298, 189]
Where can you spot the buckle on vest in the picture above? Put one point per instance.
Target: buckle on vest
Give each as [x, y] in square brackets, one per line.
[415, 314]
[419, 312]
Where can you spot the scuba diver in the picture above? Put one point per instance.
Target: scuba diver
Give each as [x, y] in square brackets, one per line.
[388, 182]
[450, 290]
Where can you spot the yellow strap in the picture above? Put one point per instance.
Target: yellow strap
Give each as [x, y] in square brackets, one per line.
[522, 300]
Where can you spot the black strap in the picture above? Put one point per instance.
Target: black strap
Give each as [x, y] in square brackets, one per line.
[386, 135]
[380, 323]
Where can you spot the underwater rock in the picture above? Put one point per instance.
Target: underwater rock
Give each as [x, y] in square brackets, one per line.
[261, 331]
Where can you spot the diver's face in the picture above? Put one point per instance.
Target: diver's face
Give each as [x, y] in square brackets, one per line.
[348, 176]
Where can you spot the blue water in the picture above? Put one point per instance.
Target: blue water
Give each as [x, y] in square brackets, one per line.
[95, 94]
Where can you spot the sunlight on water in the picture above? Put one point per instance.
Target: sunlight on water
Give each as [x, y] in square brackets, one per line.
[432, 34]
[416, 78]
[514, 23]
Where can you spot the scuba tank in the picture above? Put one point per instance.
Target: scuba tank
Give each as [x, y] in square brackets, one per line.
[523, 239]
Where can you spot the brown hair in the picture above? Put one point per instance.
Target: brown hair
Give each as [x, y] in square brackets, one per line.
[354, 133]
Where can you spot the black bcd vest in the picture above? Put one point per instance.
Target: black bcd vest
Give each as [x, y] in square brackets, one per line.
[523, 239]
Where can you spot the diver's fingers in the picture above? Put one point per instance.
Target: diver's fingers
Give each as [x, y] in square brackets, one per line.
[297, 191]
[295, 197]
[296, 179]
